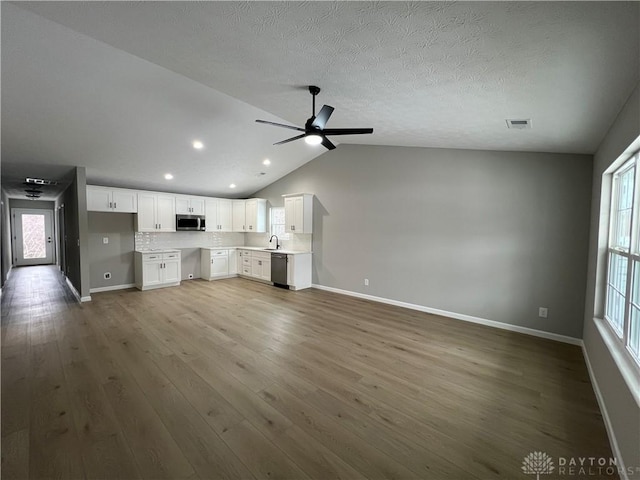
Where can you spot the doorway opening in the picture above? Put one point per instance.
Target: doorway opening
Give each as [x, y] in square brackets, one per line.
[32, 237]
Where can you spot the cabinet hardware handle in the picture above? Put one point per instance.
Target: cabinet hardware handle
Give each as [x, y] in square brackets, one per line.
[115, 205]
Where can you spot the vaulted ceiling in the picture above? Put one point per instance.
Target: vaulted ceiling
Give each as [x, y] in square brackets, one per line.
[123, 88]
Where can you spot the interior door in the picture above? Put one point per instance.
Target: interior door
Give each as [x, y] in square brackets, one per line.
[32, 236]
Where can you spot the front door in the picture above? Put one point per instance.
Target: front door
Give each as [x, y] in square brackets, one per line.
[32, 236]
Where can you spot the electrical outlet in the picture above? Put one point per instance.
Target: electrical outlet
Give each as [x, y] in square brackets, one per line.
[107, 276]
[191, 276]
[105, 240]
[366, 282]
[543, 312]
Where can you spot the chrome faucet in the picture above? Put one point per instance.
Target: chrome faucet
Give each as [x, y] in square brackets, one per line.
[277, 242]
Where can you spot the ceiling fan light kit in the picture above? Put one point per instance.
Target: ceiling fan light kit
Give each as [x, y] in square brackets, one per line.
[314, 132]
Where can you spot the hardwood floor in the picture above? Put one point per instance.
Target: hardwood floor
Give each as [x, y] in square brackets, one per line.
[237, 379]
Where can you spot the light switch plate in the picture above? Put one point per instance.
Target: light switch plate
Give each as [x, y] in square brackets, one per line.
[105, 240]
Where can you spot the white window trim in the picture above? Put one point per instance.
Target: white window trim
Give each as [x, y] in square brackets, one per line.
[621, 356]
[627, 362]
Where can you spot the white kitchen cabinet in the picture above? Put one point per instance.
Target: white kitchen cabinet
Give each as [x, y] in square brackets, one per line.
[190, 205]
[157, 269]
[256, 215]
[249, 215]
[233, 262]
[239, 216]
[214, 263]
[299, 271]
[218, 213]
[156, 213]
[298, 213]
[106, 199]
[261, 266]
[255, 264]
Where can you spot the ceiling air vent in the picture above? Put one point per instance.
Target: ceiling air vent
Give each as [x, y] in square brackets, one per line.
[519, 124]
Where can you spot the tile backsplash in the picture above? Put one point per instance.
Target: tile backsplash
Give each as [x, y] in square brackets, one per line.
[291, 241]
[153, 240]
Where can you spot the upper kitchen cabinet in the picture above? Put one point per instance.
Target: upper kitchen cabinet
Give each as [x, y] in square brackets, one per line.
[256, 215]
[218, 213]
[156, 213]
[190, 205]
[239, 216]
[105, 199]
[298, 213]
[250, 216]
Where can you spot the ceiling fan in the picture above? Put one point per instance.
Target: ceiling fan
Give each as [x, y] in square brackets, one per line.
[314, 131]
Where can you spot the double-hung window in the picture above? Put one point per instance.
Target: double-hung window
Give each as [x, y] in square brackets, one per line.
[622, 310]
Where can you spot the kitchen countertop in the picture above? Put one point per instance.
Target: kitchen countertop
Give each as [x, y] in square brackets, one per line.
[159, 250]
[258, 249]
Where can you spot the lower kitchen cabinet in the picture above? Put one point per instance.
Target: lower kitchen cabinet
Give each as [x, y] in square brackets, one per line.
[217, 263]
[299, 271]
[157, 269]
[255, 264]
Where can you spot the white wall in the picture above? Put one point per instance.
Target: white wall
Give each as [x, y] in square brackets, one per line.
[619, 404]
[493, 235]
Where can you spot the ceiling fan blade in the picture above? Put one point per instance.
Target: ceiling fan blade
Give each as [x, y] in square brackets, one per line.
[327, 143]
[291, 139]
[281, 125]
[346, 131]
[322, 117]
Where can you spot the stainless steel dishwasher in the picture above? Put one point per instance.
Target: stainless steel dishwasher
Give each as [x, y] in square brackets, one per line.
[279, 269]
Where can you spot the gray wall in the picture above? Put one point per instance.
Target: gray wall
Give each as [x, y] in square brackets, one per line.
[74, 199]
[493, 235]
[115, 257]
[32, 204]
[621, 407]
[5, 238]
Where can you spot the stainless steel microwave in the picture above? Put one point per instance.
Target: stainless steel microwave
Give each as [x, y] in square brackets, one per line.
[190, 222]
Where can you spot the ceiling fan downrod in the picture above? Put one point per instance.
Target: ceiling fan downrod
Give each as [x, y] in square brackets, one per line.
[313, 90]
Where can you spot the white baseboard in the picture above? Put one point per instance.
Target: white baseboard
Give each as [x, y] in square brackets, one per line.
[458, 316]
[73, 289]
[111, 288]
[605, 416]
[75, 292]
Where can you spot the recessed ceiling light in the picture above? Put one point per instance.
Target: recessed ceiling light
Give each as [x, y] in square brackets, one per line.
[198, 145]
[168, 176]
[313, 139]
[233, 185]
[266, 162]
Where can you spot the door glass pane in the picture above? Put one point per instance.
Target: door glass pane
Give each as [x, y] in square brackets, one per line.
[33, 236]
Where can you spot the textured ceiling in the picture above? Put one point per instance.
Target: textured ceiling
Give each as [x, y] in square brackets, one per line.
[437, 74]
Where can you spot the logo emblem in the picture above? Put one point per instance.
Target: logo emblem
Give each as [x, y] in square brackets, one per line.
[537, 463]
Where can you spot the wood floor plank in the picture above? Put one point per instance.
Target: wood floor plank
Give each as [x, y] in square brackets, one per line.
[260, 456]
[155, 450]
[15, 455]
[54, 449]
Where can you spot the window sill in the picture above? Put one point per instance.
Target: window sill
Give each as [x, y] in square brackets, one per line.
[627, 366]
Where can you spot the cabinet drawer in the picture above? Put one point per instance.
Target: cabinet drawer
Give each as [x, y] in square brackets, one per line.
[215, 253]
[262, 255]
[167, 256]
[246, 270]
[246, 260]
[151, 258]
